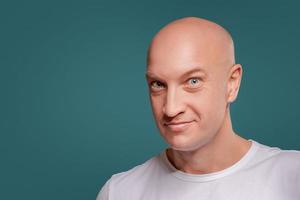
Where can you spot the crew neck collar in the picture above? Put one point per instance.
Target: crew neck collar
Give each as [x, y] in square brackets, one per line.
[214, 175]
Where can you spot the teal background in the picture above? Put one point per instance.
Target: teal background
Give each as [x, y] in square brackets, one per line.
[74, 107]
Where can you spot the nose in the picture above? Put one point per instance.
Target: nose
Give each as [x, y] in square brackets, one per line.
[173, 104]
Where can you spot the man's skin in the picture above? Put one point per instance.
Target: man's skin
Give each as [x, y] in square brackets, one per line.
[205, 142]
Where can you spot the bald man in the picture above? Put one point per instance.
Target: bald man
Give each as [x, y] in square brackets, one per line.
[193, 78]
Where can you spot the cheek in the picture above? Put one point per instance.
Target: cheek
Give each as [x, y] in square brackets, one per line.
[208, 105]
[216, 108]
[156, 104]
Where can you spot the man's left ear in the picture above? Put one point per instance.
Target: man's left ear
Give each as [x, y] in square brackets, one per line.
[234, 81]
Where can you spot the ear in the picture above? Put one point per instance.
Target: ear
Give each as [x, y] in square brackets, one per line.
[234, 81]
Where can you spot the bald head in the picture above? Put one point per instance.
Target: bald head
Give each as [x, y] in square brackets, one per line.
[192, 77]
[194, 39]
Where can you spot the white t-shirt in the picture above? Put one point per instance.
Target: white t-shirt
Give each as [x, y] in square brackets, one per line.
[263, 173]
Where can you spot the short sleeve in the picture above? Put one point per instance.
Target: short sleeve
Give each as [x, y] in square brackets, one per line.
[104, 192]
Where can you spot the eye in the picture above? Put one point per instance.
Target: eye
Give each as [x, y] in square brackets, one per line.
[194, 82]
[156, 85]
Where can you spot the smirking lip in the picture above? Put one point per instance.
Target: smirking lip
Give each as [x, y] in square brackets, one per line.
[178, 127]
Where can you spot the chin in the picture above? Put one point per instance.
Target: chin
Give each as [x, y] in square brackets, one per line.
[185, 147]
[181, 148]
[185, 143]
[182, 143]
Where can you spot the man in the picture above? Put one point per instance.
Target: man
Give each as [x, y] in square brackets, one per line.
[193, 78]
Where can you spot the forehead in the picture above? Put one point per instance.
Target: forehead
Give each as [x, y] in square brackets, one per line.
[174, 60]
[180, 52]
[179, 60]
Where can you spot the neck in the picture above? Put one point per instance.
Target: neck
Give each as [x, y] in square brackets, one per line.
[224, 150]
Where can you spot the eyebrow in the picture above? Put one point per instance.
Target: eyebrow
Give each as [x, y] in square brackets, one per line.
[186, 74]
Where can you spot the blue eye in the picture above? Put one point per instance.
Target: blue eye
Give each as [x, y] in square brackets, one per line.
[194, 81]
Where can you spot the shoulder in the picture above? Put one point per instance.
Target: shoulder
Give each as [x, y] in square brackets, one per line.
[131, 179]
[284, 171]
[289, 159]
[135, 172]
[277, 158]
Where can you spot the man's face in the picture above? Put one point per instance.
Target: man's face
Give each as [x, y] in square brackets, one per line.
[187, 89]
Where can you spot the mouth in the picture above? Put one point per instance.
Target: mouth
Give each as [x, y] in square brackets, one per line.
[178, 126]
